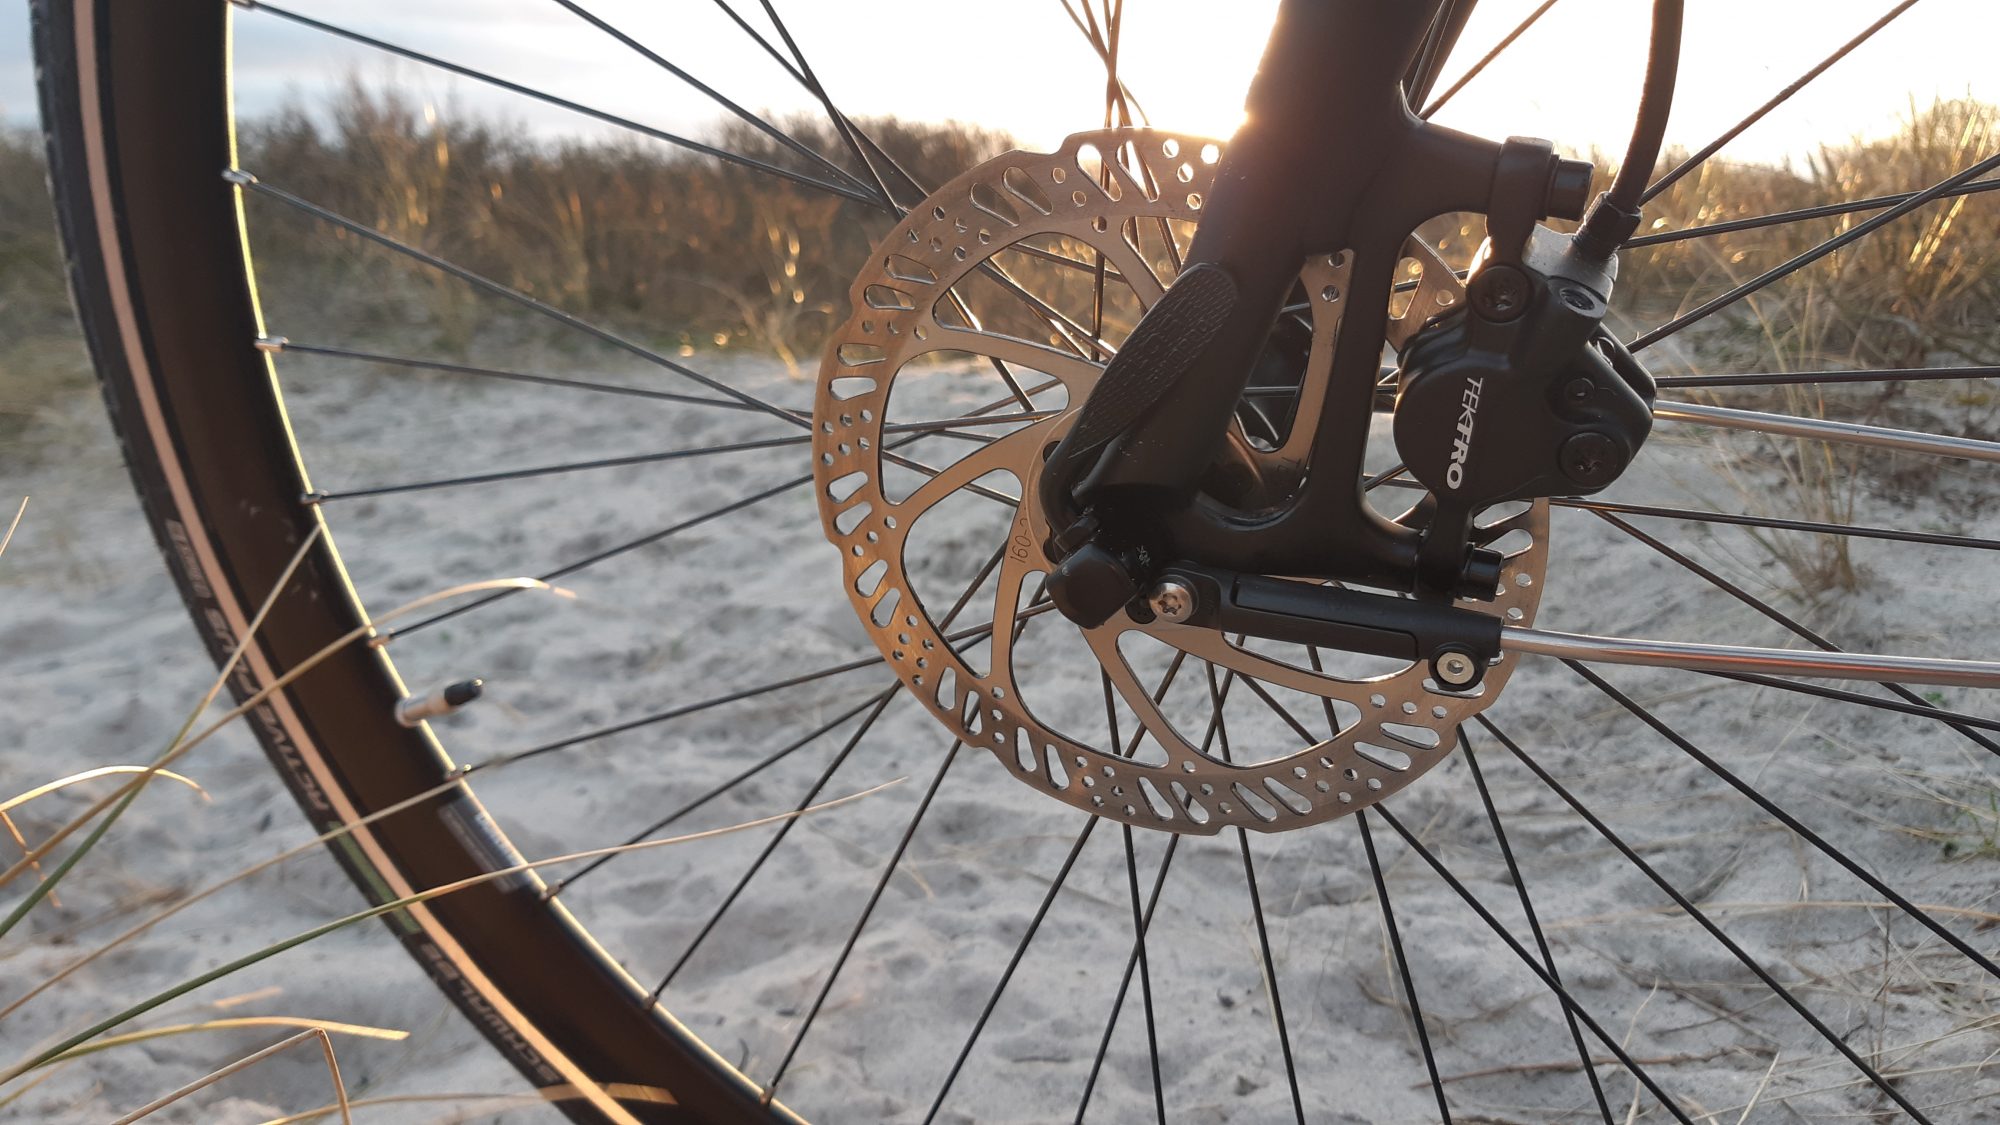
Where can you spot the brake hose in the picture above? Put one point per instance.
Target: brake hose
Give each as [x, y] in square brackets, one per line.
[1616, 214]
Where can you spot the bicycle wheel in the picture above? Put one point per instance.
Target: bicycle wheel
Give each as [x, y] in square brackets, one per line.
[683, 986]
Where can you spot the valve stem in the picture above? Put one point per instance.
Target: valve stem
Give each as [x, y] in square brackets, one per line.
[444, 701]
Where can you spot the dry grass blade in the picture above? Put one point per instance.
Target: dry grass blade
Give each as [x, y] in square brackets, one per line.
[332, 1027]
[54, 1053]
[118, 800]
[1984, 917]
[23, 798]
[142, 926]
[246, 1062]
[9, 537]
[485, 1104]
[122, 799]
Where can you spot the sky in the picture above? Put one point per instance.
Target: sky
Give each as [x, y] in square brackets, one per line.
[1573, 78]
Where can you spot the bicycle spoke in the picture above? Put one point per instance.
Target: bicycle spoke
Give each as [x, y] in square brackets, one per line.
[1486, 60]
[1799, 262]
[1785, 818]
[1710, 149]
[867, 911]
[280, 345]
[1802, 214]
[1141, 925]
[711, 92]
[1013, 963]
[784, 829]
[1515, 877]
[1569, 1002]
[562, 103]
[966, 636]
[1761, 606]
[556, 470]
[1873, 375]
[1687, 907]
[1924, 710]
[251, 183]
[1691, 515]
[770, 846]
[1215, 698]
[557, 887]
[1402, 964]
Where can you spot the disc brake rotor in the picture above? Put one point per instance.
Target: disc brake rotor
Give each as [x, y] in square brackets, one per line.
[1363, 734]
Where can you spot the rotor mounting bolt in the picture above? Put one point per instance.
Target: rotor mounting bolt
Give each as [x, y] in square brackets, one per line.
[1499, 293]
[1455, 669]
[1172, 601]
[1591, 459]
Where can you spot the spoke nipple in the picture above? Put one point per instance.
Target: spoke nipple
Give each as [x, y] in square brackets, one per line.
[273, 344]
[238, 175]
[381, 639]
[1172, 601]
[311, 498]
[439, 703]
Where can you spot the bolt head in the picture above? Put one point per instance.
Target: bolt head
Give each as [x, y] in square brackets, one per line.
[1592, 459]
[1499, 293]
[1579, 389]
[1172, 600]
[1455, 669]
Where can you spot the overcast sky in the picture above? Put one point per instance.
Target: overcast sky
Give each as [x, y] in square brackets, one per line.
[1021, 65]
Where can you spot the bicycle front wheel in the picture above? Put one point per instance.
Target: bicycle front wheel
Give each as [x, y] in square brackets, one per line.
[961, 947]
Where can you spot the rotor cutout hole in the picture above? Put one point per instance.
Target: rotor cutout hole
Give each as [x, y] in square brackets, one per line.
[1403, 291]
[1496, 514]
[840, 488]
[847, 520]
[1513, 543]
[851, 386]
[1162, 808]
[1383, 756]
[989, 200]
[870, 579]
[1135, 162]
[1025, 189]
[1090, 161]
[1423, 738]
[1024, 751]
[1259, 807]
[885, 610]
[909, 269]
[886, 297]
[1058, 776]
[1196, 811]
[1287, 796]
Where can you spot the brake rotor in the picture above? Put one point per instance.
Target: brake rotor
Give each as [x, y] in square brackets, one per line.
[1368, 732]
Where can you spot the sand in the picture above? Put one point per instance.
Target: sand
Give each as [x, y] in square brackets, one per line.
[99, 664]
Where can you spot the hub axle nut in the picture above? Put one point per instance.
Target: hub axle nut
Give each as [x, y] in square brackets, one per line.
[1455, 669]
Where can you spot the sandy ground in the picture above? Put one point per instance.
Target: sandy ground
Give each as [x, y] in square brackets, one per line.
[99, 665]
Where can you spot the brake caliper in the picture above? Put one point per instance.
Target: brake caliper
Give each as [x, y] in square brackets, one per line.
[1519, 393]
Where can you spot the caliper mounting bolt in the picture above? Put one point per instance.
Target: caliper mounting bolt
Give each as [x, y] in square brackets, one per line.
[1171, 600]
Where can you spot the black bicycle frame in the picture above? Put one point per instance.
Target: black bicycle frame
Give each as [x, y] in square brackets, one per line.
[1330, 159]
